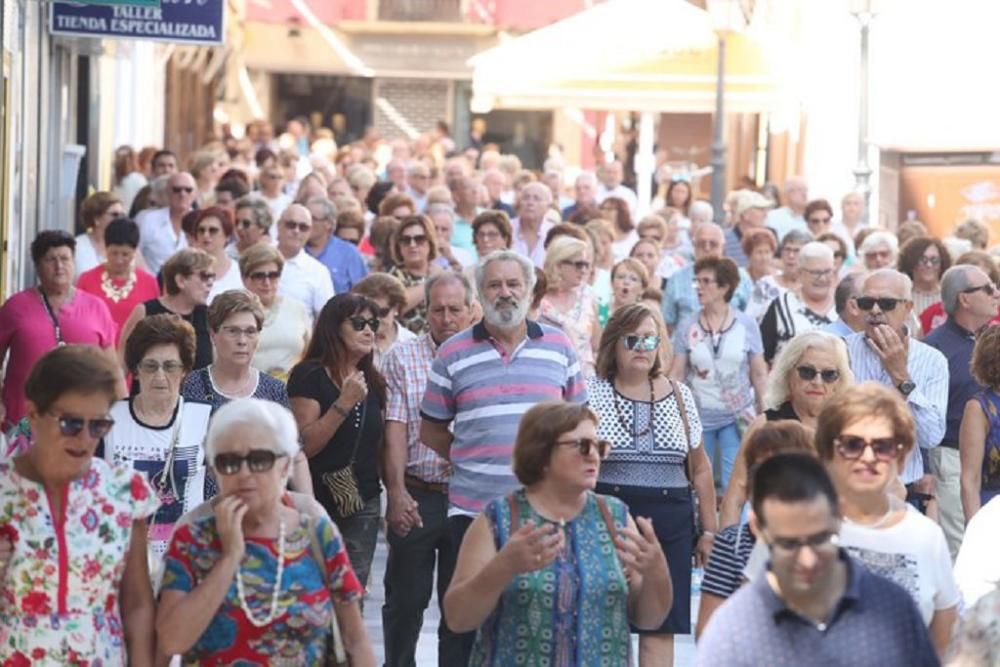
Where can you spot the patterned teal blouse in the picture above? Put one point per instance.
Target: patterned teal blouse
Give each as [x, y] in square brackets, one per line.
[572, 613]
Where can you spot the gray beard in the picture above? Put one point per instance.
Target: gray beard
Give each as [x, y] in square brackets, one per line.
[504, 319]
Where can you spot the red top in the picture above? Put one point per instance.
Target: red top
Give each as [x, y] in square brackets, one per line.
[144, 289]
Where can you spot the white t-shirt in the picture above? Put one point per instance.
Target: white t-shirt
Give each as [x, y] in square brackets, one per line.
[85, 256]
[283, 338]
[277, 206]
[621, 249]
[157, 239]
[977, 568]
[307, 280]
[231, 279]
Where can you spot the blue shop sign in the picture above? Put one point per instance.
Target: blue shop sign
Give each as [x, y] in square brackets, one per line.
[176, 21]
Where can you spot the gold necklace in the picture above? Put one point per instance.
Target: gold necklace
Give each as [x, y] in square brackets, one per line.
[116, 294]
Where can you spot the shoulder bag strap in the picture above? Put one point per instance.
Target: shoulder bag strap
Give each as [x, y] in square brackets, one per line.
[687, 426]
[340, 655]
[609, 522]
[515, 514]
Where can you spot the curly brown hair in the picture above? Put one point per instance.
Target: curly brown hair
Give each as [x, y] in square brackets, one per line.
[985, 365]
[914, 249]
[162, 329]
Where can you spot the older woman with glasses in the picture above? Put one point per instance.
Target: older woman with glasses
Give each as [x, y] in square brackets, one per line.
[75, 584]
[788, 258]
[256, 581]
[96, 212]
[656, 457]
[414, 247]
[760, 246]
[212, 227]
[389, 297]
[253, 223]
[924, 260]
[568, 302]
[538, 573]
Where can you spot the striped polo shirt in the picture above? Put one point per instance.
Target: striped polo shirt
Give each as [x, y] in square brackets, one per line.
[475, 385]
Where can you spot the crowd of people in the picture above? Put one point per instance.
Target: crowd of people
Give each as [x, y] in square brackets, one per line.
[552, 402]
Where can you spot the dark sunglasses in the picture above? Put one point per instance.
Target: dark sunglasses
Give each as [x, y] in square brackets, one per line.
[383, 312]
[585, 445]
[206, 276]
[245, 224]
[258, 460]
[261, 276]
[420, 239]
[853, 446]
[640, 343]
[73, 426]
[989, 288]
[579, 265]
[359, 323]
[291, 226]
[886, 304]
[828, 375]
[179, 190]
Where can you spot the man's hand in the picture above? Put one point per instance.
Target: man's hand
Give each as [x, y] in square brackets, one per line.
[892, 350]
[403, 513]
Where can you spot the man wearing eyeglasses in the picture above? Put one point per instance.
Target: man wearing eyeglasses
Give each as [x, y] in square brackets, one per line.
[160, 229]
[303, 278]
[885, 352]
[816, 605]
[346, 265]
[970, 300]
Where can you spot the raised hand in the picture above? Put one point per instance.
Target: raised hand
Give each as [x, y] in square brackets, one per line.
[639, 550]
[229, 513]
[893, 350]
[355, 389]
[532, 547]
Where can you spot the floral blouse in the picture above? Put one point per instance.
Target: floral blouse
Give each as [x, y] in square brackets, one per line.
[299, 633]
[416, 319]
[59, 599]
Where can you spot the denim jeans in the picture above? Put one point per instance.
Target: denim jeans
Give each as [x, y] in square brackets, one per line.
[360, 532]
[725, 441]
[409, 578]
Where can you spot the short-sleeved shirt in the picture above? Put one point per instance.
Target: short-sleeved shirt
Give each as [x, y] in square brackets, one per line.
[300, 631]
[719, 366]
[28, 332]
[483, 392]
[347, 266]
[120, 305]
[199, 386]
[785, 318]
[730, 552]
[304, 279]
[310, 380]
[157, 238]
[680, 299]
[283, 338]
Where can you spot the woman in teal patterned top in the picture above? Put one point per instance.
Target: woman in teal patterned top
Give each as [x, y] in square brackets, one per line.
[553, 573]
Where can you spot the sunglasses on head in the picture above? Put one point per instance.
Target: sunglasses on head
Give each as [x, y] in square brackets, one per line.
[828, 375]
[261, 276]
[638, 343]
[585, 445]
[73, 426]
[182, 189]
[853, 446]
[359, 323]
[258, 460]
[886, 304]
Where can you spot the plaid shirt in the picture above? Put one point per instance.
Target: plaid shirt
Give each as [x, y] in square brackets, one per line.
[406, 367]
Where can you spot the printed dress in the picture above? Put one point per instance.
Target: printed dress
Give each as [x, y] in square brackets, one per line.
[578, 324]
[571, 613]
[59, 599]
[299, 634]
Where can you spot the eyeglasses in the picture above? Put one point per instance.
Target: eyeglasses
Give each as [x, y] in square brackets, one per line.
[819, 221]
[828, 375]
[261, 276]
[579, 265]
[790, 545]
[237, 332]
[211, 231]
[73, 426]
[359, 323]
[851, 447]
[585, 445]
[886, 304]
[697, 282]
[880, 254]
[419, 239]
[989, 288]
[818, 274]
[292, 225]
[206, 276]
[245, 224]
[258, 460]
[487, 235]
[930, 261]
[638, 343]
[151, 367]
[180, 190]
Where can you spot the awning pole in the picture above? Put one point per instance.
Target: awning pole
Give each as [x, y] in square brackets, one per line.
[645, 163]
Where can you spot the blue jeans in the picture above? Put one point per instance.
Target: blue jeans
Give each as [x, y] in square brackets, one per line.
[726, 442]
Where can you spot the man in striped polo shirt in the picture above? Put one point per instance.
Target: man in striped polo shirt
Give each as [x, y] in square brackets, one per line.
[483, 379]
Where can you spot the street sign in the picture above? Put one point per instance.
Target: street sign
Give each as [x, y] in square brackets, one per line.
[134, 3]
[176, 21]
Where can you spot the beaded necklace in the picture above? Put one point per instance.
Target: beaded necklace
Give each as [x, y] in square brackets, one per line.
[275, 593]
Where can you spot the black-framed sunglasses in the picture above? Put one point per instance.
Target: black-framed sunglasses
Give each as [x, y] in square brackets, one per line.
[359, 323]
[419, 239]
[886, 304]
[261, 276]
[989, 288]
[579, 265]
[258, 460]
[809, 373]
[585, 445]
[71, 426]
[851, 447]
[637, 343]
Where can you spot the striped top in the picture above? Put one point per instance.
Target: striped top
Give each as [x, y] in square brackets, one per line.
[474, 384]
[730, 553]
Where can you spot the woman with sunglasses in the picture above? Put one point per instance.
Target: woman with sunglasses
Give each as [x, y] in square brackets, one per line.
[212, 228]
[536, 574]
[253, 222]
[568, 302]
[413, 248]
[338, 397]
[96, 212]
[924, 260]
[806, 373]
[293, 579]
[389, 297]
[656, 458]
[75, 583]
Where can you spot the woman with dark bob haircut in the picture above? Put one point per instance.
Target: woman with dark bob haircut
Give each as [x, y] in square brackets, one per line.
[536, 574]
[924, 260]
[337, 396]
[94, 604]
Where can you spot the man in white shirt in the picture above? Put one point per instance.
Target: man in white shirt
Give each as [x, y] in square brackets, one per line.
[792, 214]
[611, 176]
[160, 234]
[304, 278]
[530, 226]
[271, 183]
[418, 181]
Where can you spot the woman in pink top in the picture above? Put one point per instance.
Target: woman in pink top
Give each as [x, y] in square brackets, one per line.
[51, 314]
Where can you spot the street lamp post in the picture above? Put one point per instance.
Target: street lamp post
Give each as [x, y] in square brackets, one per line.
[727, 17]
[864, 11]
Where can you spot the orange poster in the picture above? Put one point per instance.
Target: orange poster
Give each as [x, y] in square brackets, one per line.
[944, 196]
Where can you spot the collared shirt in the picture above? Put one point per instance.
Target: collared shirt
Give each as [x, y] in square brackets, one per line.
[734, 246]
[622, 192]
[520, 245]
[306, 280]
[406, 368]
[928, 402]
[838, 328]
[347, 266]
[157, 238]
[483, 391]
[956, 344]
[783, 220]
[756, 627]
[681, 299]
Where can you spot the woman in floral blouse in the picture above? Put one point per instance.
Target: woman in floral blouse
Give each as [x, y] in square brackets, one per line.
[75, 584]
[414, 247]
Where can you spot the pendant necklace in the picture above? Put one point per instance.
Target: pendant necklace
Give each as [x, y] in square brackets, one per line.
[621, 416]
[275, 593]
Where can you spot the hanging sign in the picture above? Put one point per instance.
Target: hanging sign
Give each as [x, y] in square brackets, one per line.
[176, 21]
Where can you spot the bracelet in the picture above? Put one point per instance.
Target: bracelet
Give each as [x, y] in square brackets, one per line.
[708, 533]
[341, 411]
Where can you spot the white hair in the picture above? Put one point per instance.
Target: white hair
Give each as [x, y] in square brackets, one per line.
[441, 208]
[700, 210]
[815, 250]
[776, 392]
[272, 424]
[527, 269]
[587, 176]
[903, 279]
[877, 240]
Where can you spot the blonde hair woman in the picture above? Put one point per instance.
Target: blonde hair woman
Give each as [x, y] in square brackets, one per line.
[568, 302]
[602, 235]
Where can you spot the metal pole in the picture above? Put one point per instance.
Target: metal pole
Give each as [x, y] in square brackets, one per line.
[718, 146]
[863, 172]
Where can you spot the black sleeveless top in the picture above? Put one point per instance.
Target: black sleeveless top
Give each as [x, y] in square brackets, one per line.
[199, 320]
[784, 411]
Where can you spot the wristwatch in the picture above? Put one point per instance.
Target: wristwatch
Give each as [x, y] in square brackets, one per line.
[906, 387]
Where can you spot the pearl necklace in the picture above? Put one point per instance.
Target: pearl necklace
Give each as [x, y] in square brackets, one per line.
[275, 593]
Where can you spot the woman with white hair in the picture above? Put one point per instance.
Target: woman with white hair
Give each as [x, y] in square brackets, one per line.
[568, 303]
[879, 250]
[256, 581]
[810, 306]
[812, 367]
